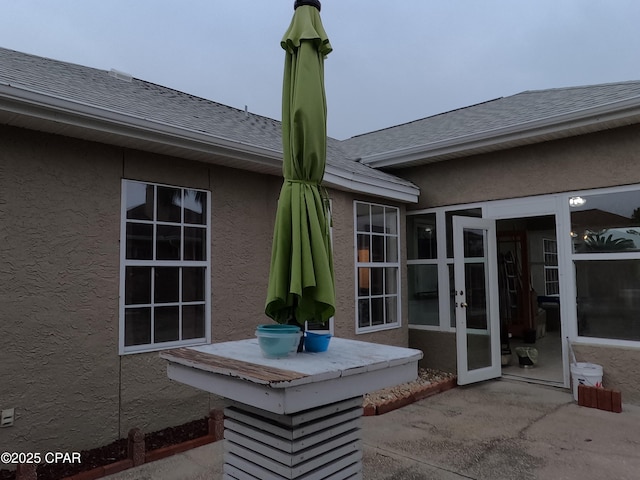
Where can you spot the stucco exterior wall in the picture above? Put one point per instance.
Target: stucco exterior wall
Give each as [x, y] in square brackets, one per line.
[59, 237]
[439, 349]
[603, 159]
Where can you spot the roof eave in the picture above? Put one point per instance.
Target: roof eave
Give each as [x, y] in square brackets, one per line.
[598, 118]
[343, 180]
[100, 124]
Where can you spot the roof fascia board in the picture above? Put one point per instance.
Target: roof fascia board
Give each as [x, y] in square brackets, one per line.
[377, 188]
[524, 131]
[48, 107]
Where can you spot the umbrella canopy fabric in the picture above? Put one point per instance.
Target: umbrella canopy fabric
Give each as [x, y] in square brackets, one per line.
[301, 285]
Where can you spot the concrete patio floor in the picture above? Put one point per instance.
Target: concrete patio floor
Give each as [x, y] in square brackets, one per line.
[495, 430]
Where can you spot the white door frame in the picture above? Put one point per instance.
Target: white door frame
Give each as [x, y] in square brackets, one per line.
[494, 369]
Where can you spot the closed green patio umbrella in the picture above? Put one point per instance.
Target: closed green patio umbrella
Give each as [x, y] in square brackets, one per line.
[301, 286]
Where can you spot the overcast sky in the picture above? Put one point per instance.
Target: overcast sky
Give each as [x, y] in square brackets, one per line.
[394, 61]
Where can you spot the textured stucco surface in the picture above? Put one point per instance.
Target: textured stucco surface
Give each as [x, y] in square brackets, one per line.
[439, 349]
[604, 159]
[60, 217]
[59, 232]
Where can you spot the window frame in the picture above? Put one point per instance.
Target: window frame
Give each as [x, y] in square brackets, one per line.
[153, 263]
[553, 267]
[377, 264]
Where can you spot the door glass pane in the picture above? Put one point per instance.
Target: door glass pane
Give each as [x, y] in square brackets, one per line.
[473, 243]
[423, 295]
[472, 212]
[478, 331]
[452, 296]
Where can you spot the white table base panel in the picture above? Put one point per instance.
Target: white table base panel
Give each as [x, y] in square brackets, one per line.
[322, 443]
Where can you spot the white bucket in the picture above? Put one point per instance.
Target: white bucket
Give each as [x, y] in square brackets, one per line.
[583, 373]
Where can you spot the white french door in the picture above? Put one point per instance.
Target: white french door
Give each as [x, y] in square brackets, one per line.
[476, 299]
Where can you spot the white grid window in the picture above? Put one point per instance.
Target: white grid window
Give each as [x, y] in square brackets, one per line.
[377, 267]
[551, 278]
[165, 264]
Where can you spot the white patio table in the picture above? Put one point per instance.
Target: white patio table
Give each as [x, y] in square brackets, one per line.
[297, 417]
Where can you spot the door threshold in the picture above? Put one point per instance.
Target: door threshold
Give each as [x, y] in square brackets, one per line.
[538, 381]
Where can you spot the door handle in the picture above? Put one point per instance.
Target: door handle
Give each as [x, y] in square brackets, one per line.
[464, 305]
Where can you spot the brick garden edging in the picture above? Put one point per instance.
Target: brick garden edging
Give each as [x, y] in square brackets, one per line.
[419, 394]
[600, 398]
[136, 452]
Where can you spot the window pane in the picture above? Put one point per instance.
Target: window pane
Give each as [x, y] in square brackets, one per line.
[377, 248]
[608, 222]
[195, 243]
[421, 237]
[377, 219]
[192, 321]
[168, 243]
[166, 323]
[169, 202]
[392, 249]
[363, 220]
[391, 221]
[363, 248]
[423, 295]
[193, 282]
[195, 207]
[137, 326]
[167, 288]
[364, 281]
[377, 311]
[139, 241]
[608, 299]
[391, 281]
[139, 201]
[377, 281]
[391, 306]
[363, 312]
[137, 285]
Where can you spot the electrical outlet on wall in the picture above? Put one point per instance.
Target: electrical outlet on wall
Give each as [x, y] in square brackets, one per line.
[6, 417]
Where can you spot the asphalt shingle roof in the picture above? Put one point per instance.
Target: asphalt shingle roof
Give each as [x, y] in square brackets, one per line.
[495, 114]
[146, 100]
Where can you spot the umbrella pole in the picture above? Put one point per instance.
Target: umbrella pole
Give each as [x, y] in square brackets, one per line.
[293, 321]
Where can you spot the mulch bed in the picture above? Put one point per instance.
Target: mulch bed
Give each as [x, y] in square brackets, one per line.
[116, 451]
